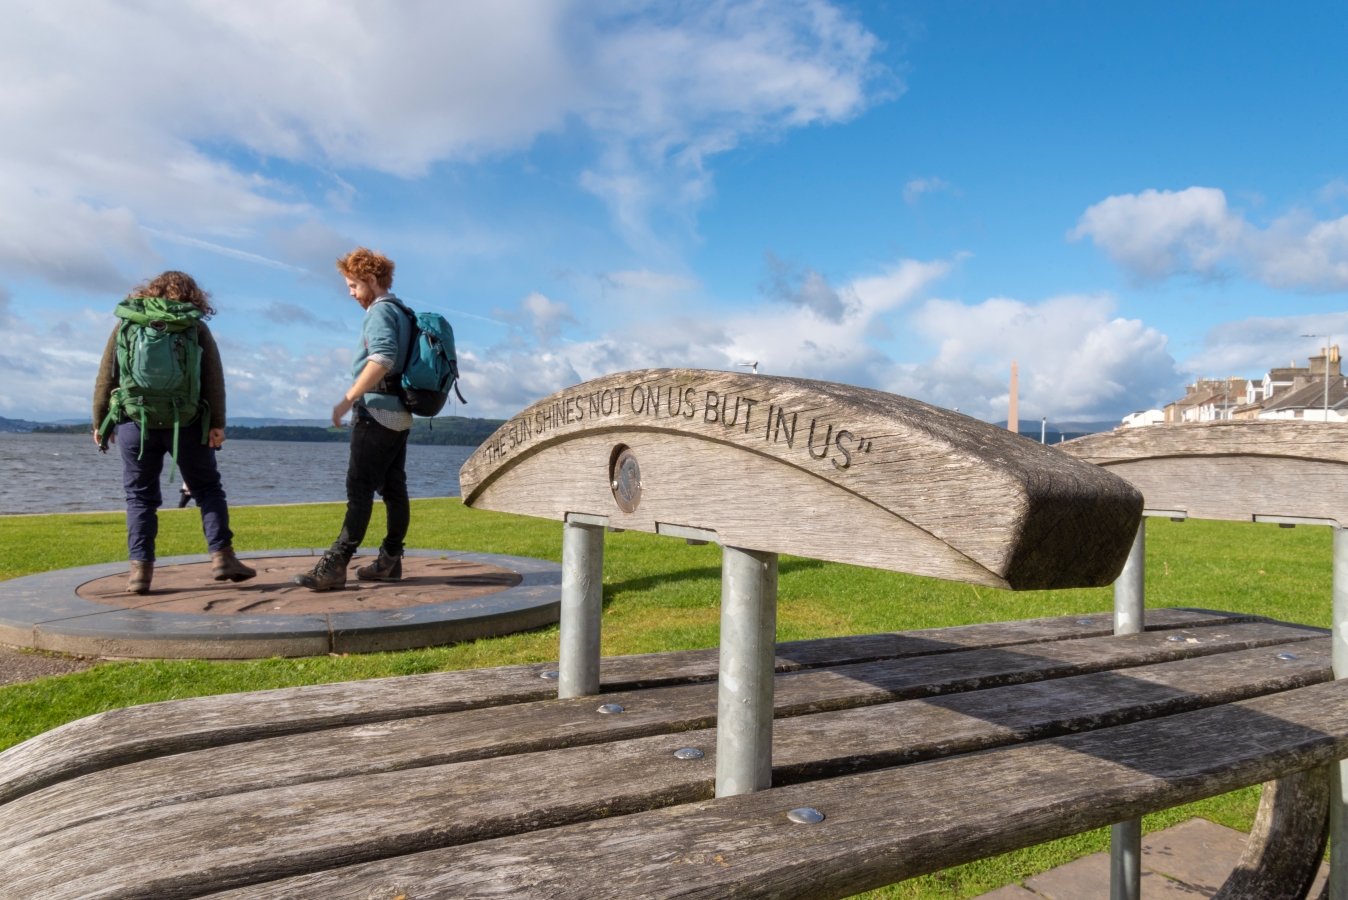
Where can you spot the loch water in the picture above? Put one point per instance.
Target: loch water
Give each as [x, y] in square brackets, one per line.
[55, 473]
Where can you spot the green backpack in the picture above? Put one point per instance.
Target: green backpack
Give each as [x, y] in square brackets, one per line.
[159, 361]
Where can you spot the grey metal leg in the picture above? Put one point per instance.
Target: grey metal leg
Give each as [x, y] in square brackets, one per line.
[1338, 783]
[1125, 860]
[748, 652]
[1125, 838]
[582, 609]
[1130, 592]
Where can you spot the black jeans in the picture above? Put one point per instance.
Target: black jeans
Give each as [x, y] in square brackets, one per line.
[378, 463]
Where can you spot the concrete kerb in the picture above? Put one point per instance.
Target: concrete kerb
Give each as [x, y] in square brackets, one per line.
[43, 612]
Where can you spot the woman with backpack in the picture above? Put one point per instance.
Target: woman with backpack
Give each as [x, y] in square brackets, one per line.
[161, 390]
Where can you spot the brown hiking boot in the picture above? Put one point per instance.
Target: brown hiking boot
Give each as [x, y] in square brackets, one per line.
[329, 573]
[385, 568]
[141, 573]
[225, 566]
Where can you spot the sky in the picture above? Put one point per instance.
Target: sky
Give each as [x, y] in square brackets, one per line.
[905, 196]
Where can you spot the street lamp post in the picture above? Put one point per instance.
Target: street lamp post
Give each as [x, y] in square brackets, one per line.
[1329, 340]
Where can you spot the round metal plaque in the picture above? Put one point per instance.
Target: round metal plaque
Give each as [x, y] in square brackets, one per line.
[805, 816]
[551, 675]
[1085, 622]
[625, 479]
[688, 753]
[609, 709]
[1287, 656]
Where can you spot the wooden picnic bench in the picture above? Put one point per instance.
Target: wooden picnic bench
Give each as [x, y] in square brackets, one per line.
[809, 769]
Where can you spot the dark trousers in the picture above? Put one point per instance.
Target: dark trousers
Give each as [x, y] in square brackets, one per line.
[378, 463]
[141, 476]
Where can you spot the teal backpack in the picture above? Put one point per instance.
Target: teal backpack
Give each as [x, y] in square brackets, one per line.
[432, 369]
[159, 362]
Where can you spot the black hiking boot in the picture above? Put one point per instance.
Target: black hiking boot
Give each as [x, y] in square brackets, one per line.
[385, 568]
[329, 573]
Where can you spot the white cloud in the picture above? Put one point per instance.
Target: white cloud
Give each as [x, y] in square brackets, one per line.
[120, 115]
[914, 189]
[647, 282]
[796, 339]
[1077, 361]
[1158, 234]
[1247, 348]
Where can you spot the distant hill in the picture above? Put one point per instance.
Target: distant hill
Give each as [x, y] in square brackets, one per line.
[81, 428]
[458, 431]
[17, 426]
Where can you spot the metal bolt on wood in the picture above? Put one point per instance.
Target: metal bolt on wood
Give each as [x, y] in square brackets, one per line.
[1125, 838]
[689, 753]
[745, 681]
[609, 709]
[582, 609]
[805, 816]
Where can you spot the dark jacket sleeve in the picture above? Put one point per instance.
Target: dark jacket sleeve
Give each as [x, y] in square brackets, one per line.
[212, 376]
[107, 381]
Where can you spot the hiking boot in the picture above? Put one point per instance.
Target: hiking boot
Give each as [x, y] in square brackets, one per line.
[225, 566]
[329, 573]
[141, 573]
[385, 568]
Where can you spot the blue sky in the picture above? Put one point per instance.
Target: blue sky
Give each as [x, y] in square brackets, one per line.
[901, 195]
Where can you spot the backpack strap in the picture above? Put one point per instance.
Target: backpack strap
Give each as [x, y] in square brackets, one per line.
[392, 380]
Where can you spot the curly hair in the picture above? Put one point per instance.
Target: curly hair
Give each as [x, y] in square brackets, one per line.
[361, 264]
[176, 286]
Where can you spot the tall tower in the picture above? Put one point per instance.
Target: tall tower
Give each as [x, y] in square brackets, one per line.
[1013, 409]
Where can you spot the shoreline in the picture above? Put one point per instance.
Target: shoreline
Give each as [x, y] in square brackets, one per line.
[121, 512]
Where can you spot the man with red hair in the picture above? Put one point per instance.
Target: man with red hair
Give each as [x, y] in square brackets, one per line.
[379, 426]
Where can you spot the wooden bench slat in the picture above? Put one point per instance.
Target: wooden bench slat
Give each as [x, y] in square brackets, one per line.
[279, 831]
[133, 733]
[528, 728]
[881, 827]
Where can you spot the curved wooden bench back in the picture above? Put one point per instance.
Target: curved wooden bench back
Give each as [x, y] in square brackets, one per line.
[815, 469]
[1243, 470]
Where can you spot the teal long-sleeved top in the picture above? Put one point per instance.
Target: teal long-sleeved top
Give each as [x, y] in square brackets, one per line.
[385, 337]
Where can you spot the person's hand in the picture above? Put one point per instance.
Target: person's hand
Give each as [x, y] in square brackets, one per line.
[98, 438]
[216, 438]
[340, 410]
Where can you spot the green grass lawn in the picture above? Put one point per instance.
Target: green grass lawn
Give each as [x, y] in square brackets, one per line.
[662, 594]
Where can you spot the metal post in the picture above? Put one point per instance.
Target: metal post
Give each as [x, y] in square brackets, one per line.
[582, 609]
[1130, 592]
[1338, 781]
[1125, 838]
[748, 653]
[1125, 860]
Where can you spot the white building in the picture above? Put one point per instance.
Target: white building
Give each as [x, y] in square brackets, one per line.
[1144, 417]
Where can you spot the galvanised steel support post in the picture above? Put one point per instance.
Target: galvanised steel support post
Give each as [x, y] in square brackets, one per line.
[748, 653]
[1125, 838]
[582, 609]
[1338, 781]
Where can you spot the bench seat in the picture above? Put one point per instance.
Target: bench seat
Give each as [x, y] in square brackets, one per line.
[923, 749]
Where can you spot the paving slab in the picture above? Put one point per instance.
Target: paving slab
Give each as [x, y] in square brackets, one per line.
[1088, 879]
[1199, 853]
[448, 596]
[1191, 859]
[1011, 892]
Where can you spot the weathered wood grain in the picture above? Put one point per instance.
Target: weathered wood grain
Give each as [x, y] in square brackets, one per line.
[880, 827]
[1238, 437]
[1287, 843]
[811, 746]
[124, 735]
[270, 833]
[821, 470]
[1230, 470]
